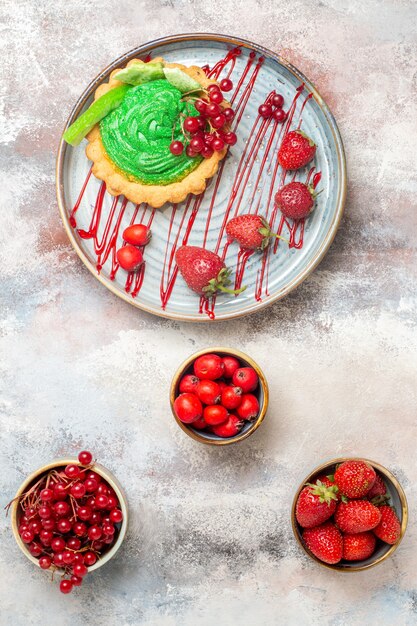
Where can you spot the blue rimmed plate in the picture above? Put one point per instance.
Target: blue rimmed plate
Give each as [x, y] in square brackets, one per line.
[247, 181]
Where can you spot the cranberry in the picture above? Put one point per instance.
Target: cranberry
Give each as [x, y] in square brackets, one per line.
[215, 414]
[45, 562]
[176, 147]
[246, 378]
[265, 110]
[65, 585]
[208, 367]
[230, 138]
[116, 516]
[188, 384]
[72, 471]
[280, 115]
[230, 428]
[188, 408]
[136, 235]
[208, 391]
[226, 84]
[129, 258]
[191, 124]
[231, 397]
[249, 407]
[277, 100]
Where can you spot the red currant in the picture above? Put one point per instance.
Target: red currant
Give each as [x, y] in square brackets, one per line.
[208, 138]
[80, 570]
[36, 526]
[213, 109]
[48, 524]
[230, 138]
[280, 115]
[85, 457]
[102, 501]
[116, 516]
[176, 147]
[95, 518]
[265, 110]
[94, 533]
[89, 558]
[63, 525]
[102, 490]
[112, 502]
[84, 513]
[35, 548]
[226, 84]
[90, 485]
[78, 558]
[68, 557]
[190, 152]
[219, 121]
[80, 529]
[201, 106]
[60, 493]
[191, 124]
[58, 544]
[27, 536]
[46, 495]
[229, 114]
[277, 100]
[45, 562]
[45, 511]
[72, 471]
[196, 144]
[108, 529]
[215, 96]
[45, 537]
[218, 144]
[76, 580]
[74, 543]
[207, 152]
[65, 586]
[201, 122]
[94, 475]
[61, 508]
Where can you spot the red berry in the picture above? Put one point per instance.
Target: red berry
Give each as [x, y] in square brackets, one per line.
[279, 115]
[76, 580]
[57, 559]
[80, 570]
[90, 485]
[190, 152]
[215, 96]
[102, 501]
[89, 558]
[94, 475]
[45, 537]
[95, 517]
[35, 548]
[78, 558]
[215, 414]
[229, 114]
[108, 529]
[136, 235]
[358, 546]
[213, 110]
[219, 121]
[202, 121]
[60, 493]
[61, 508]
[116, 516]
[188, 408]
[84, 513]
[278, 100]
[129, 258]
[226, 84]
[209, 138]
[315, 505]
[112, 502]
[246, 378]
[68, 557]
[48, 524]
[207, 152]
[377, 489]
[325, 542]
[230, 138]
[197, 144]
[45, 562]
[208, 391]
[231, 397]
[46, 495]
[36, 526]
[188, 384]
[201, 106]
[191, 124]
[231, 364]
[389, 527]
[45, 512]
[354, 478]
[357, 516]
[80, 529]
[74, 543]
[27, 536]
[296, 150]
[248, 409]
[209, 367]
[94, 533]
[63, 525]
[72, 471]
[218, 144]
[176, 147]
[199, 424]
[58, 544]
[78, 490]
[65, 586]
[265, 110]
[230, 428]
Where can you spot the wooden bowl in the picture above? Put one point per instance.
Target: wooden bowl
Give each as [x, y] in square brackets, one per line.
[249, 427]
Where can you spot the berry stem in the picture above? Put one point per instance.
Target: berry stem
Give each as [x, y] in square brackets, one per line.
[232, 291]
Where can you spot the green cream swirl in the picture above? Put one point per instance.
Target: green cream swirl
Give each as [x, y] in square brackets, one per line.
[137, 135]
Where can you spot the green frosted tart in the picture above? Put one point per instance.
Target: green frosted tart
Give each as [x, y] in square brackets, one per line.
[137, 134]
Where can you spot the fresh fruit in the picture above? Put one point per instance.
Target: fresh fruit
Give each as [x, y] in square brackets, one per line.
[176, 147]
[99, 109]
[354, 478]
[315, 505]
[278, 100]
[248, 408]
[231, 397]
[265, 110]
[358, 546]
[377, 489]
[279, 115]
[140, 73]
[325, 542]
[85, 457]
[252, 232]
[295, 200]
[246, 378]
[209, 367]
[188, 408]
[199, 424]
[191, 124]
[188, 383]
[208, 391]
[226, 84]
[204, 271]
[230, 428]
[328, 481]
[389, 527]
[181, 80]
[215, 414]
[137, 235]
[296, 150]
[231, 364]
[129, 258]
[65, 586]
[357, 516]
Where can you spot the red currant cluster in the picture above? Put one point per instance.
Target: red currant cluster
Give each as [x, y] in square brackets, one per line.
[71, 516]
[273, 108]
[206, 133]
[217, 386]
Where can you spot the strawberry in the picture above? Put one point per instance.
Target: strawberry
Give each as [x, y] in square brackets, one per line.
[325, 542]
[328, 481]
[377, 489]
[354, 478]
[252, 232]
[296, 150]
[357, 516]
[204, 271]
[358, 546]
[296, 200]
[315, 504]
[389, 528]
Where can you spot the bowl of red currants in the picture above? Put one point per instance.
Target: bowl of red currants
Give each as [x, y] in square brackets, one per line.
[70, 517]
[219, 396]
[349, 514]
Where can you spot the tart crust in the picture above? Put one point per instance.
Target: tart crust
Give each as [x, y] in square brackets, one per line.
[154, 195]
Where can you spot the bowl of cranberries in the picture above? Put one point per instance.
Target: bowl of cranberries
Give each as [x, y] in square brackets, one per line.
[219, 396]
[70, 517]
[349, 514]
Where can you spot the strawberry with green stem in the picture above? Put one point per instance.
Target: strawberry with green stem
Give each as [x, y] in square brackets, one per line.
[315, 504]
[204, 271]
[251, 231]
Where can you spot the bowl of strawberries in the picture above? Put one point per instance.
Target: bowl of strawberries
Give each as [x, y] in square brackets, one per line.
[349, 514]
[219, 396]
